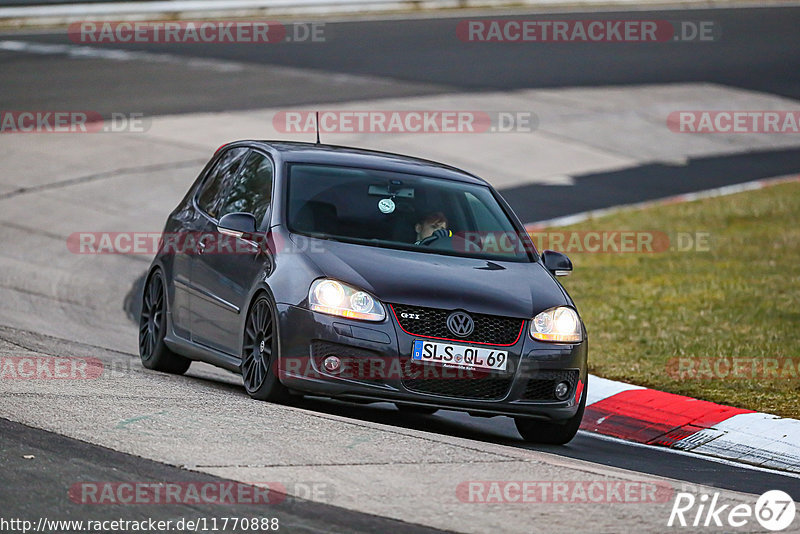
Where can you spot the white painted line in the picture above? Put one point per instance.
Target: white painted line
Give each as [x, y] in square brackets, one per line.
[90, 52]
[131, 10]
[786, 430]
[114, 54]
[102, 8]
[756, 438]
[555, 180]
[677, 199]
[723, 461]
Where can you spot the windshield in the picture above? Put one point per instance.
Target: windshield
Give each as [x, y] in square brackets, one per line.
[405, 211]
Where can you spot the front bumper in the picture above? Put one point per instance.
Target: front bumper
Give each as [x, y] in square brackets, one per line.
[379, 369]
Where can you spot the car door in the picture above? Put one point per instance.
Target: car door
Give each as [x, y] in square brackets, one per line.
[184, 228]
[205, 209]
[225, 275]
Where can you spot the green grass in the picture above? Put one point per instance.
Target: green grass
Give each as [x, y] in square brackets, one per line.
[740, 298]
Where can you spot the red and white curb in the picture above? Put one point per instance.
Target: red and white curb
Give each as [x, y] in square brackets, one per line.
[653, 417]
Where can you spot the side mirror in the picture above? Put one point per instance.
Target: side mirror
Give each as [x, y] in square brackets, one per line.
[237, 224]
[557, 263]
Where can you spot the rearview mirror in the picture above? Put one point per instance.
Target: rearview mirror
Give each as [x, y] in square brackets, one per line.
[237, 224]
[557, 263]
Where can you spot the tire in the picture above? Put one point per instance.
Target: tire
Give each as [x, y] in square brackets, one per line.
[152, 329]
[548, 432]
[420, 410]
[259, 366]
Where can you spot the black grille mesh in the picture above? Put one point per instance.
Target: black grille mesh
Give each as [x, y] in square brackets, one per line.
[432, 322]
[488, 387]
[541, 387]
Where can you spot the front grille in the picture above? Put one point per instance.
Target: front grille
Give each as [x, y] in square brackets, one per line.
[432, 322]
[542, 386]
[486, 388]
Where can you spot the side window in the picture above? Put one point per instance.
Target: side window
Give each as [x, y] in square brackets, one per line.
[251, 192]
[218, 177]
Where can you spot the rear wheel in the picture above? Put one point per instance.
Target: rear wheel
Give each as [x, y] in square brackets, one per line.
[550, 432]
[260, 354]
[152, 329]
[421, 410]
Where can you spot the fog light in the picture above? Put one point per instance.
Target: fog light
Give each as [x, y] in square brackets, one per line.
[562, 390]
[332, 363]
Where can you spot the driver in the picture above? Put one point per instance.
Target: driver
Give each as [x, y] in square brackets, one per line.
[431, 227]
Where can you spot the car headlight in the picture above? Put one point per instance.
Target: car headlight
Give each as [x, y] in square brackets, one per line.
[335, 298]
[560, 325]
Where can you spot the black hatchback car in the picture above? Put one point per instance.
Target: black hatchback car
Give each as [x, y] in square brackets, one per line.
[368, 276]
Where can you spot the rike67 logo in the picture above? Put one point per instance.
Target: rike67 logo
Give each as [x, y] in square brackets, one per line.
[773, 510]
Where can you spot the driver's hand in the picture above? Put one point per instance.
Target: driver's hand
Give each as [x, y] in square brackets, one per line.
[436, 235]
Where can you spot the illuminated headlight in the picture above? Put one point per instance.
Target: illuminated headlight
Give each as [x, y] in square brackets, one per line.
[560, 325]
[335, 298]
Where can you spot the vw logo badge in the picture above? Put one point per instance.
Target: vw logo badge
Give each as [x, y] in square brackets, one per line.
[460, 324]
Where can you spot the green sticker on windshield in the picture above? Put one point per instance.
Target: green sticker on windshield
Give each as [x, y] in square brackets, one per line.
[386, 205]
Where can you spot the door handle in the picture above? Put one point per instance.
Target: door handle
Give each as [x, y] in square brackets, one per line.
[202, 243]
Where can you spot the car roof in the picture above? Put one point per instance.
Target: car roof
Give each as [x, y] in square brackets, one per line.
[296, 152]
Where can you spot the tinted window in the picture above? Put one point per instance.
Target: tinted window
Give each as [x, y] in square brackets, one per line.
[398, 210]
[251, 192]
[222, 172]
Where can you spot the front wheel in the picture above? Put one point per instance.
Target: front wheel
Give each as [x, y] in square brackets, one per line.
[152, 329]
[260, 353]
[549, 432]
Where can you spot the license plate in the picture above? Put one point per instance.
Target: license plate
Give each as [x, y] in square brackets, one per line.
[459, 355]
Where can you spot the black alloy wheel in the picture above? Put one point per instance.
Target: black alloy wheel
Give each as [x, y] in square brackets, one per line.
[260, 353]
[152, 329]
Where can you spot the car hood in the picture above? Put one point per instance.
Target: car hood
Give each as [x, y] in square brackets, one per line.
[437, 281]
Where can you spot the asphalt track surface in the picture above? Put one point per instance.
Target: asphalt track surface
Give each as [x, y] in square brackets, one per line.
[63, 461]
[759, 50]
